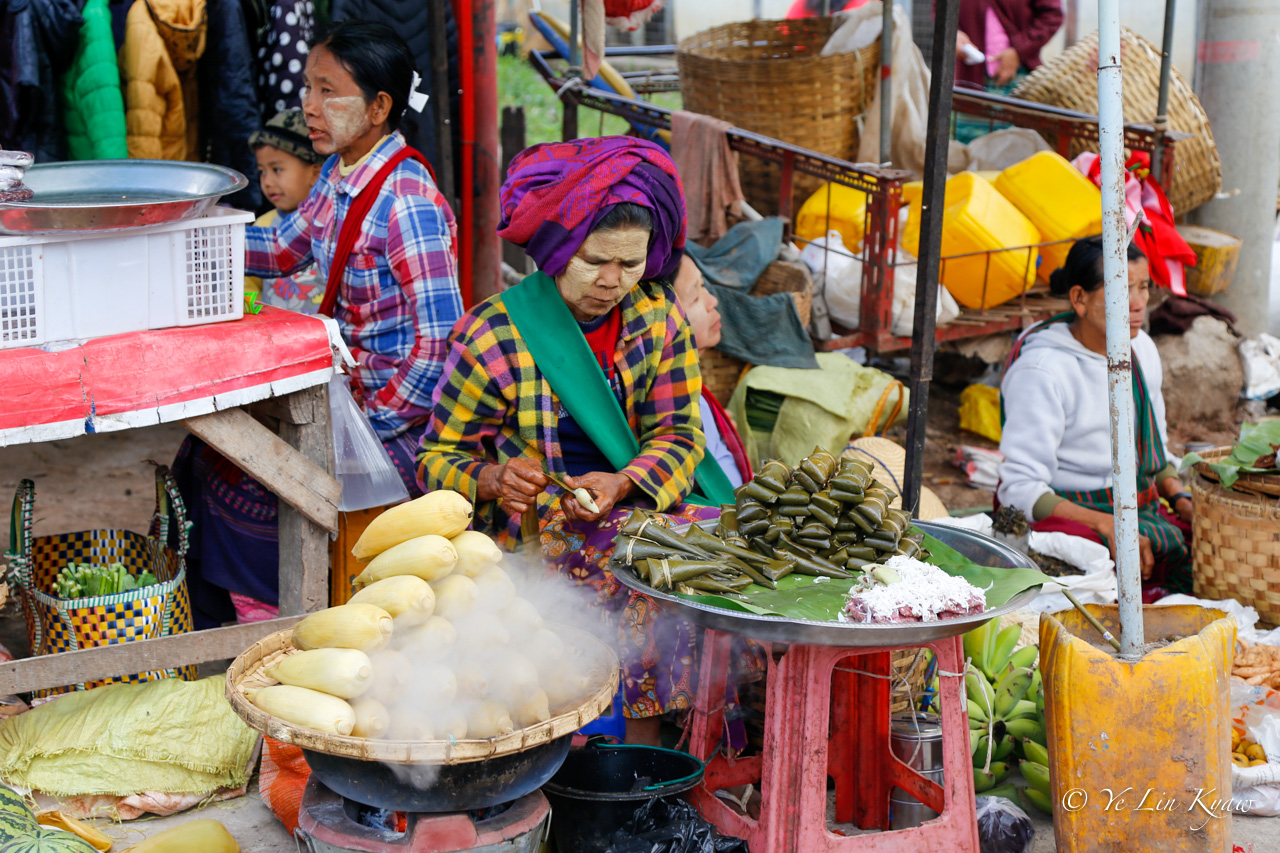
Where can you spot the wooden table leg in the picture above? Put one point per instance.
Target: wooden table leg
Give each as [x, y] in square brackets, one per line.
[304, 545]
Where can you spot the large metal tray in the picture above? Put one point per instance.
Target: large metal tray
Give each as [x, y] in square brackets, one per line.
[102, 196]
[981, 549]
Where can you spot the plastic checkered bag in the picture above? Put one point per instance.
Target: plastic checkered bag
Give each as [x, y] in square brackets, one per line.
[57, 624]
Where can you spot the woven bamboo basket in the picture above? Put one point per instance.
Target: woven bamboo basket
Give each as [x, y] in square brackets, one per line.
[246, 673]
[1236, 545]
[1070, 80]
[769, 77]
[722, 372]
[908, 668]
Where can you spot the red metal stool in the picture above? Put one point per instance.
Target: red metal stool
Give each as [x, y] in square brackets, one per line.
[805, 694]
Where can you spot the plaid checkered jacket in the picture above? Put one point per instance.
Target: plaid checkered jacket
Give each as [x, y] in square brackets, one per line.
[493, 404]
[399, 295]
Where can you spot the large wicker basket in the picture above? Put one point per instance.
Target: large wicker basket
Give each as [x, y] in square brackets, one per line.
[1236, 546]
[1071, 81]
[769, 77]
[246, 673]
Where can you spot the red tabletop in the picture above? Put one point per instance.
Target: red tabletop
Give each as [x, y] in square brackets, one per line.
[146, 378]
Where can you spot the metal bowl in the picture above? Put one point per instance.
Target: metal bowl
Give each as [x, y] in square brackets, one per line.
[96, 196]
[777, 629]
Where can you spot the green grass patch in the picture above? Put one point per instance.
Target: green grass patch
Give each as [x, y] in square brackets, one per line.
[520, 85]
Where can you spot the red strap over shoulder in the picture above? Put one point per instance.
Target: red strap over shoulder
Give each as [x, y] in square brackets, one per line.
[350, 229]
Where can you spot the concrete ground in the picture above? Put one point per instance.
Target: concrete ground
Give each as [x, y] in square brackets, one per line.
[105, 481]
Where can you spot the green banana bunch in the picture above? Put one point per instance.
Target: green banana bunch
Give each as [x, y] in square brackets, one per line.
[1004, 698]
[1009, 792]
[985, 780]
[1037, 793]
[1009, 692]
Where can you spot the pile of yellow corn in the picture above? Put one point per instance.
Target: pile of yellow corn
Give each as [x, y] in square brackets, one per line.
[436, 643]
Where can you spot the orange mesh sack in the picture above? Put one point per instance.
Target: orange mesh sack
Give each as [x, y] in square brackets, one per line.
[284, 776]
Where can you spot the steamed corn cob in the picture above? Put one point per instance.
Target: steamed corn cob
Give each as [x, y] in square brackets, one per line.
[444, 513]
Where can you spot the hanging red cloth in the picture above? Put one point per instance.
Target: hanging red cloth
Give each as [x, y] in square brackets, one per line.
[1157, 237]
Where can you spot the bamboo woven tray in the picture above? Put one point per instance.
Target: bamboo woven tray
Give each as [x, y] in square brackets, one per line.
[1267, 485]
[246, 674]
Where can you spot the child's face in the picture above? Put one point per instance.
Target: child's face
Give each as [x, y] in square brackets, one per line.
[286, 180]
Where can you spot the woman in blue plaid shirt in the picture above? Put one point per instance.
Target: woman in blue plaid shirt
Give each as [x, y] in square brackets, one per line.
[385, 241]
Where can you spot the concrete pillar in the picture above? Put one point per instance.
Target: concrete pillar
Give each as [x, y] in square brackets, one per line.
[1238, 81]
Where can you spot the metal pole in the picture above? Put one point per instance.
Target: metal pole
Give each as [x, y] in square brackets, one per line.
[1162, 102]
[575, 34]
[441, 96]
[886, 83]
[1115, 268]
[937, 145]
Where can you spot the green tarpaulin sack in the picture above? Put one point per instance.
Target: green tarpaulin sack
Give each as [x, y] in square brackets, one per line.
[168, 736]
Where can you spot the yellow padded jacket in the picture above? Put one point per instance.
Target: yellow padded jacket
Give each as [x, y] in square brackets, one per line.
[163, 39]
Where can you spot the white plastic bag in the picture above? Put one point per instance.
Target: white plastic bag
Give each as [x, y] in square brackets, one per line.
[842, 295]
[360, 462]
[1092, 588]
[1000, 149]
[1256, 709]
[1260, 358]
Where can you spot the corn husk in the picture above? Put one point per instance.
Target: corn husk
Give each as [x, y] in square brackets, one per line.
[476, 553]
[514, 678]
[449, 722]
[536, 709]
[496, 588]
[473, 678]
[372, 718]
[309, 709]
[479, 630]
[348, 626]
[392, 671]
[521, 617]
[409, 724]
[431, 685]
[434, 639]
[408, 598]
[456, 596]
[428, 557]
[565, 688]
[488, 718]
[545, 648]
[344, 673]
[441, 513]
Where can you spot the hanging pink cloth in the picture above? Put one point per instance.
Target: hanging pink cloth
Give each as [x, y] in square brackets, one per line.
[1158, 239]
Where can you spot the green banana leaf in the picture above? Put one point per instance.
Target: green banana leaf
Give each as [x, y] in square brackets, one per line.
[1256, 440]
[821, 599]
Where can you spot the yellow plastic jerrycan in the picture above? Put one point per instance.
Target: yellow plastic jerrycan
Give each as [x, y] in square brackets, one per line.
[1062, 203]
[844, 209]
[980, 411]
[1139, 753]
[976, 222]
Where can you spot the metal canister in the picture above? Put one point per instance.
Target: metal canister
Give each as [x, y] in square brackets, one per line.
[916, 740]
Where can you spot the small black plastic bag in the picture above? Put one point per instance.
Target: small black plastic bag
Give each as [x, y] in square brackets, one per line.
[671, 826]
[1003, 827]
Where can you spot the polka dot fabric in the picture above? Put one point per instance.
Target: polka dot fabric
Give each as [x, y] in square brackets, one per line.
[284, 53]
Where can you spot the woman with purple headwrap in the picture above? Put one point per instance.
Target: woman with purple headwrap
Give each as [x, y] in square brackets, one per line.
[586, 370]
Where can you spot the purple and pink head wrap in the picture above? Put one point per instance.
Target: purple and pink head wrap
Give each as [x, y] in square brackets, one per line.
[556, 193]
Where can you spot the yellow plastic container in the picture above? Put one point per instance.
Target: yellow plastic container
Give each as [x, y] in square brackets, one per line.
[1062, 203]
[977, 219]
[1139, 753]
[912, 191]
[848, 215]
[980, 411]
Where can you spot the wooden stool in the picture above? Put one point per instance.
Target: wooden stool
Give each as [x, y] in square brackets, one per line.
[822, 721]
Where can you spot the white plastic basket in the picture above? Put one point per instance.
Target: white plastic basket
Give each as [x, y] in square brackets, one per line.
[55, 288]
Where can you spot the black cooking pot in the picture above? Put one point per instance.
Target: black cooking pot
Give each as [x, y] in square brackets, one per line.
[440, 787]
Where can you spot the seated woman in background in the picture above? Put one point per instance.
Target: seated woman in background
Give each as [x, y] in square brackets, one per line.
[587, 371]
[724, 445]
[1057, 435]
